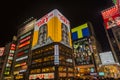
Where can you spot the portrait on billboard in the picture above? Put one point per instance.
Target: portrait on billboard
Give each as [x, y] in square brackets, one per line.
[111, 23]
[1, 51]
[65, 35]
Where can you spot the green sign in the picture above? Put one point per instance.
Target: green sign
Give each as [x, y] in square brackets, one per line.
[114, 1]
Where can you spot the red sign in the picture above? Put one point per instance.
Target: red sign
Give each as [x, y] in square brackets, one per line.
[24, 44]
[111, 17]
[25, 39]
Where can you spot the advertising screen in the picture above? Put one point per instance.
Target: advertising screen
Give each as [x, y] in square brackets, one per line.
[53, 27]
[111, 17]
[82, 51]
[1, 50]
[107, 58]
[80, 32]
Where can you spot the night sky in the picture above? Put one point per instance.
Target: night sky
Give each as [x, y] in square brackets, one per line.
[14, 13]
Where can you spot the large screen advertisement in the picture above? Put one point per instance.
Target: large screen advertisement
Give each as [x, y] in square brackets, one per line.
[80, 32]
[83, 52]
[1, 50]
[111, 17]
[53, 27]
[107, 58]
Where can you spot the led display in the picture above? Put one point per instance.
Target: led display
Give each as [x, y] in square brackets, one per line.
[82, 51]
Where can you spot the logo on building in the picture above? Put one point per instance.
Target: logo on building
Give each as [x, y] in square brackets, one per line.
[80, 32]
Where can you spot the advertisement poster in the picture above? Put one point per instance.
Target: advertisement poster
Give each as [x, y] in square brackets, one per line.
[1, 51]
[53, 27]
[111, 17]
[83, 52]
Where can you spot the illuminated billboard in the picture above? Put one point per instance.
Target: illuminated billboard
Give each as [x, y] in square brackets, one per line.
[82, 51]
[80, 32]
[111, 17]
[1, 50]
[42, 76]
[53, 27]
[107, 58]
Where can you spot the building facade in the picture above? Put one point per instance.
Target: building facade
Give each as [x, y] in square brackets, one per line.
[51, 57]
[23, 50]
[85, 50]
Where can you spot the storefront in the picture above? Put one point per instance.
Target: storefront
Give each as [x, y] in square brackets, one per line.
[110, 70]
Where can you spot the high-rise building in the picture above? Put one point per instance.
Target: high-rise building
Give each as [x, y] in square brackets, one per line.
[51, 56]
[86, 49]
[2, 59]
[23, 50]
[7, 59]
[111, 17]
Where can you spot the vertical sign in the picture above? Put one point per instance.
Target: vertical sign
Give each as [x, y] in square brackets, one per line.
[56, 54]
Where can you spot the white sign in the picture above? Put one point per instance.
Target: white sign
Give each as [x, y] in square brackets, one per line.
[56, 54]
[107, 58]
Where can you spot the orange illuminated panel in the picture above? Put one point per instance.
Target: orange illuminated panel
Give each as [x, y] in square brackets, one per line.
[40, 76]
[24, 67]
[22, 64]
[24, 44]
[25, 39]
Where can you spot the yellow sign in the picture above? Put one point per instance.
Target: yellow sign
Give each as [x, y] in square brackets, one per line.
[53, 27]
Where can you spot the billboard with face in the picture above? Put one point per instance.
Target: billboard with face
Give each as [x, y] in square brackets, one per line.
[111, 17]
[2, 51]
[53, 27]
